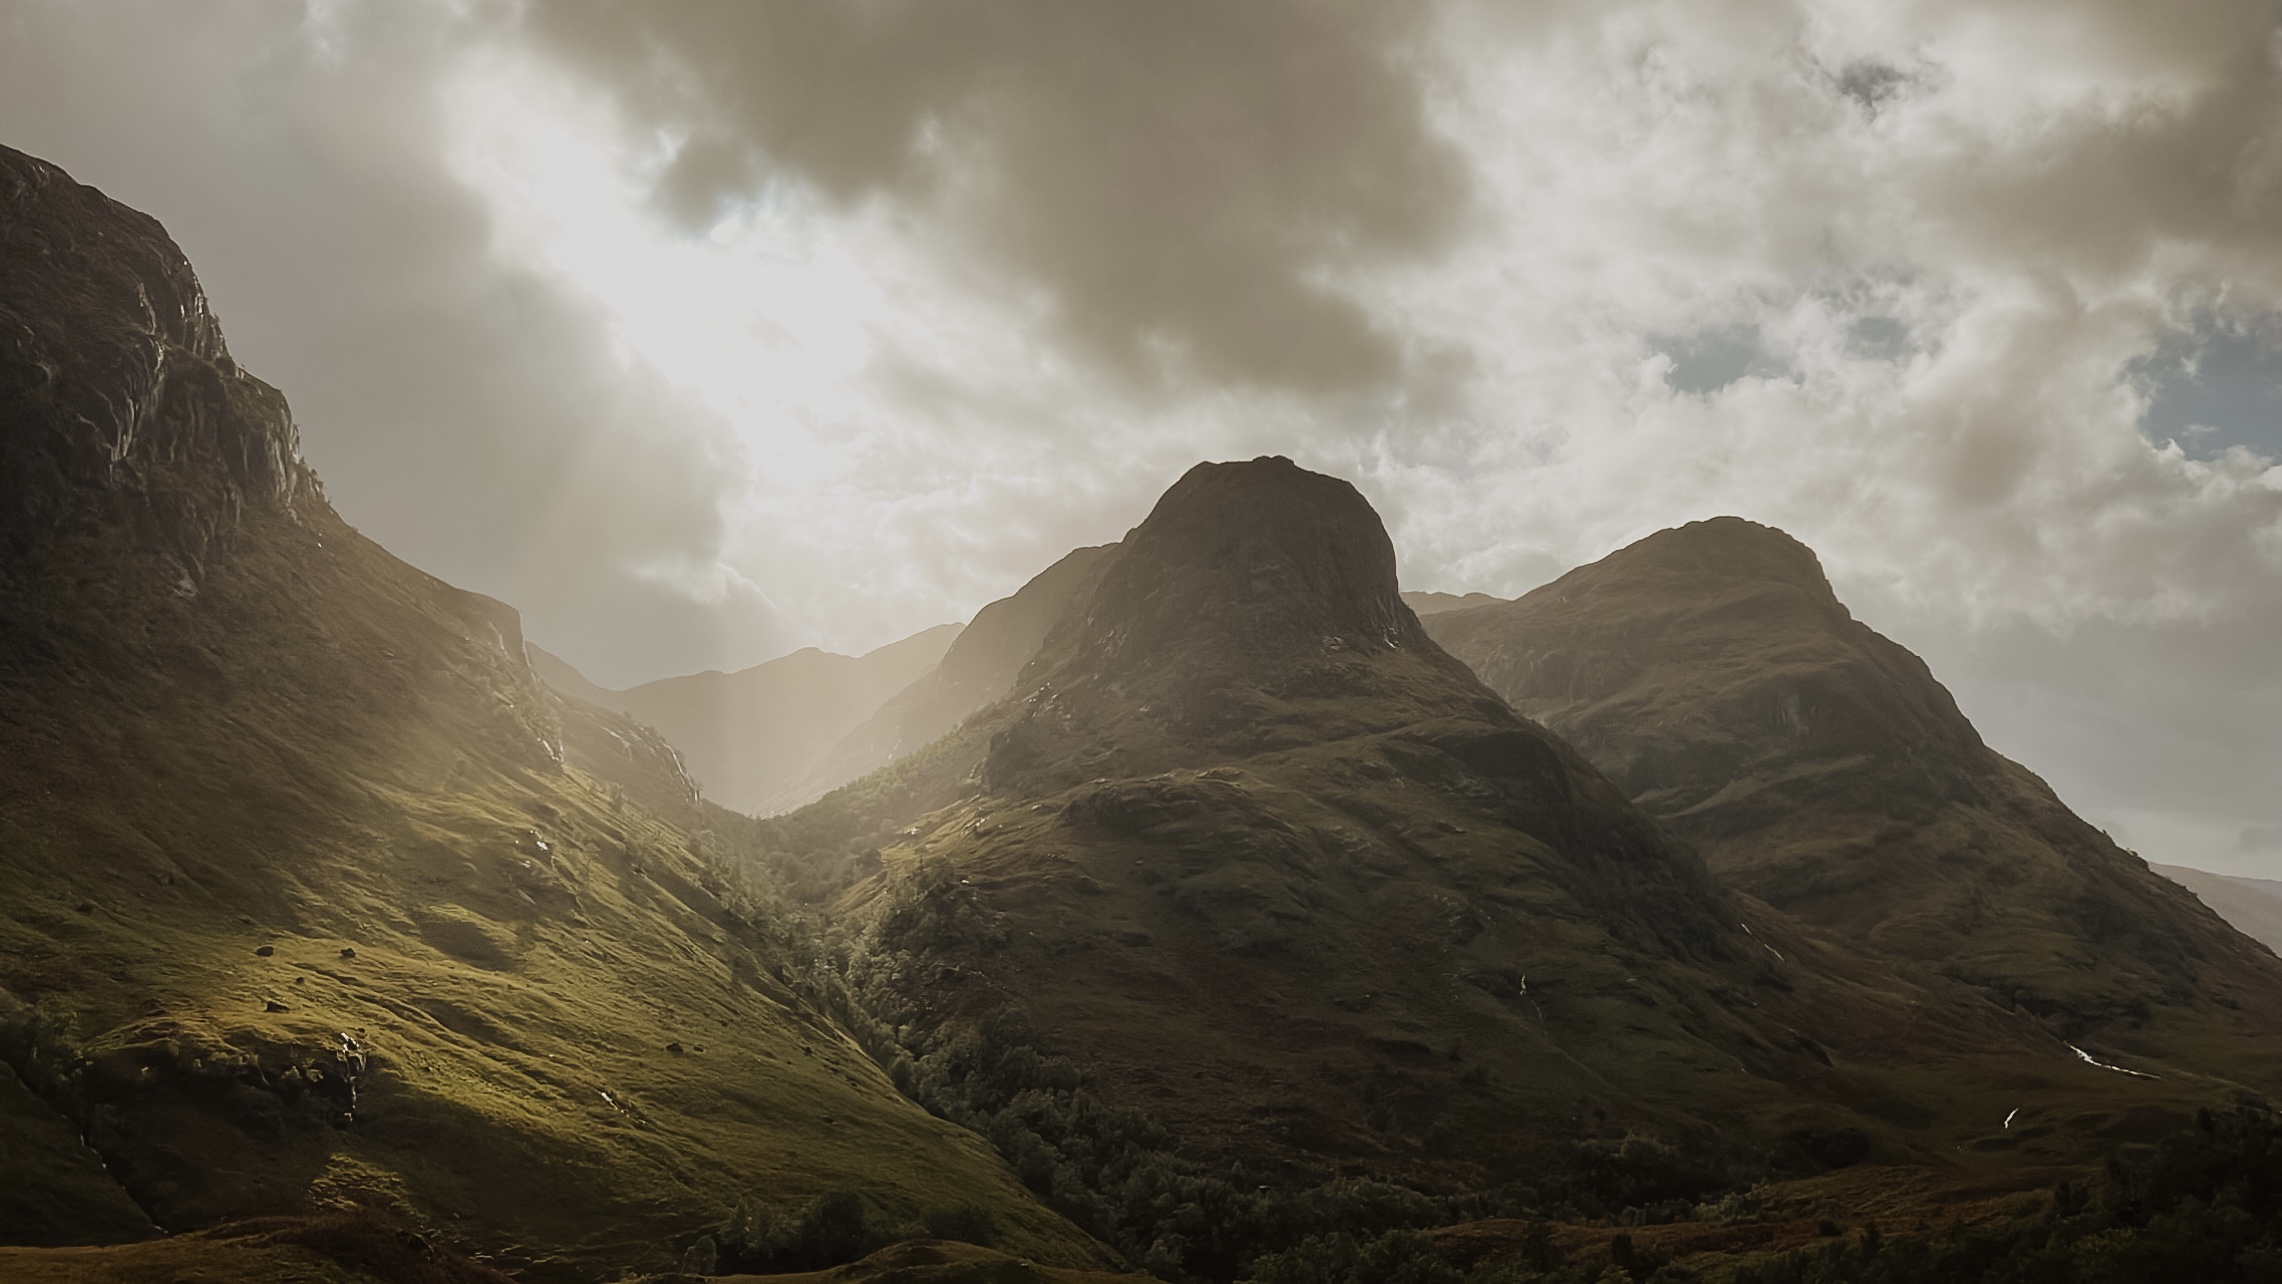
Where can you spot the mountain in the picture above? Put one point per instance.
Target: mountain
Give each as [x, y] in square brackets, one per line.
[1248, 886]
[318, 903]
[2252, 906]
[751, 738]
[980, 667]
[1208, 906]
[564, 679]
[1716, 678]
[1425, 604]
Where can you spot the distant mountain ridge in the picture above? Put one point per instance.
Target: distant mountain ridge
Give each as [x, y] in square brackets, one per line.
[979, 667]
[2253, 906]
[1426, 604]
[752, 739]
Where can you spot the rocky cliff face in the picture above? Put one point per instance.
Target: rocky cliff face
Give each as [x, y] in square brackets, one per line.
[119, 396]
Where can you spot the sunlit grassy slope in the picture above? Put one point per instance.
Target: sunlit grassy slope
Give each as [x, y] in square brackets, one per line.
[304, 906]
[327, 779]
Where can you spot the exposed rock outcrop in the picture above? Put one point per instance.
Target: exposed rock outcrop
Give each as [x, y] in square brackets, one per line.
[119, 401]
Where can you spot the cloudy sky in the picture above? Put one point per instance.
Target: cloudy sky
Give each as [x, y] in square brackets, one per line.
[702, 332]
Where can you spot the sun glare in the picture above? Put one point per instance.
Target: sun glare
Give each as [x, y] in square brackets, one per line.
[767, 317]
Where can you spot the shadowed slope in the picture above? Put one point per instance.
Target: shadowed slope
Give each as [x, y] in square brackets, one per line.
[1254, 610]
[305, 910]
[1716, 678]
[1248, 851]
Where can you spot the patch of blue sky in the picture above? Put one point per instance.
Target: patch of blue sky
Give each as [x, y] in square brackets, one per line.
[2215, 386]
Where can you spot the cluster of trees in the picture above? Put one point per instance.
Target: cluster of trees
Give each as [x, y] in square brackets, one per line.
[762, 1239]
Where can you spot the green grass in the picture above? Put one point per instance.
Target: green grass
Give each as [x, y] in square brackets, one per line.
[326, 751]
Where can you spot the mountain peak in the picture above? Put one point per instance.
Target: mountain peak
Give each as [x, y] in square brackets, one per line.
[1243, 566]
[1724, 548]
[1727, 637]
[122, 400]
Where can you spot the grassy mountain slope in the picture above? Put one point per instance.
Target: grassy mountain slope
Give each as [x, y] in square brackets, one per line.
[305, 909]
[1712, 674]
[749, 738]
[1246, 852]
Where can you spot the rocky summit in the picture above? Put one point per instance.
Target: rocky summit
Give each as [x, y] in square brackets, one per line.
[1255, 609]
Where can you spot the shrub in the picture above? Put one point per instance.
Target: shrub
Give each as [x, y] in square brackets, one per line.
[830, 1230]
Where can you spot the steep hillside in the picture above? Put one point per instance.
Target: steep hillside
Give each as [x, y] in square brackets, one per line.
[1249, 872]
[2252, 906]
[751, 739]
[978, 669]
[305, 909]
[1713, 675]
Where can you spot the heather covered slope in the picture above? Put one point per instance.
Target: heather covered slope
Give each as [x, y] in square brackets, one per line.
[1711, 672]
[305, 908]
[1248, 853]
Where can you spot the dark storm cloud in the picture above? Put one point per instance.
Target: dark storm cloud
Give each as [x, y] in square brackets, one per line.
[1175, 178]
[468, 415]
